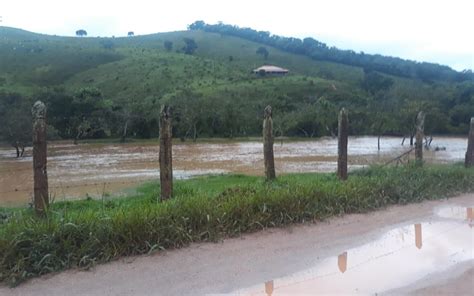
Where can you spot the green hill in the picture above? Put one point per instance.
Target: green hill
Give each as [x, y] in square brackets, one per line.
[99, 87]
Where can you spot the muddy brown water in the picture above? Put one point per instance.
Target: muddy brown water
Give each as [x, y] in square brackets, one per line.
[76, 171]
[401, 256]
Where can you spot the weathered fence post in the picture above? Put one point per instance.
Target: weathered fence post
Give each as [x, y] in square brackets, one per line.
[40, 173]
[420, 126]
[166, 157]
[268, 144]
[470, 146]
[343, 133]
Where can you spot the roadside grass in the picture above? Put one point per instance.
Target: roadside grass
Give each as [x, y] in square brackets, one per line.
[86, 232]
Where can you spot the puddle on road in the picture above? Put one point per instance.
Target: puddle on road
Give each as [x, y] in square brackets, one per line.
[400, 257]
[455, 212]
[71, 168]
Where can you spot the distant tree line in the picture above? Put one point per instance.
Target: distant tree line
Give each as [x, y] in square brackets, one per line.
[381, 109]
[320, 51]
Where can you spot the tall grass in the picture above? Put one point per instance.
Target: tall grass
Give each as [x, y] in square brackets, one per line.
[87, 232]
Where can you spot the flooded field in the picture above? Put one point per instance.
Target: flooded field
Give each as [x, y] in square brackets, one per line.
[97, 169]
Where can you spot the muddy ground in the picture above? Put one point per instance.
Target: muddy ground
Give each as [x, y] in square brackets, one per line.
[96, 170]
[364, 254]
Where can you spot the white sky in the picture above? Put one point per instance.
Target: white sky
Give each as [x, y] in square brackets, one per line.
[422, 30]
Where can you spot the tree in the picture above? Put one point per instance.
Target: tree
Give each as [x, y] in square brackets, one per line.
[60, 111]
[191, 112]
[81, 33]
[374, 82]
[15, 121]
[320, 51]
[190, 46]
[90, 114]
[168, 45]
[263, 51]
[130, 34]
[383, 118]
[197, 25]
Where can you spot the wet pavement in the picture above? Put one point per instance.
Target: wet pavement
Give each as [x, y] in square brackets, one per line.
[99, 169]
[401, 256]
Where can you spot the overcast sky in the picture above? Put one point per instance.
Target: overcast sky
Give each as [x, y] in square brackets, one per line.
[422, 30]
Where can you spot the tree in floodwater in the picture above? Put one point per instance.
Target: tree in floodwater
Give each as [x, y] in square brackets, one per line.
[90, 114]
[382, 102]
[15, 121]
[191, 112]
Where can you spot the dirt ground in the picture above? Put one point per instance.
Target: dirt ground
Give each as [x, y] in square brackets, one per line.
[252, 260]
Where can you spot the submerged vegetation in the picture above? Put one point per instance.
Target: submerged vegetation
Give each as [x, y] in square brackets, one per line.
[83, 233]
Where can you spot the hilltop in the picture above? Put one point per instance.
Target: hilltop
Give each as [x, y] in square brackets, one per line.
[105, 87]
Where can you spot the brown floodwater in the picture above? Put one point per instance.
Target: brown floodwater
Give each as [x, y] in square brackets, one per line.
[96, 169]
[400, 257]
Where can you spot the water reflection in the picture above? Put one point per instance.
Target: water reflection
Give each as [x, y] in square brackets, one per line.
[455, 212]
[470, 216]
[418, 236]
[269, 288]
[342, 262]
[390, 262]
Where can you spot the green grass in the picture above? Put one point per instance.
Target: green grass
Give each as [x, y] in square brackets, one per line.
[138, 67]
[87, 232]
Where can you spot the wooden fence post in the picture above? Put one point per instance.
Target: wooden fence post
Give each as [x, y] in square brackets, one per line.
[268, 144]
[166, 157]
[40, 173]
[343, 133]
[469, 162]
[420, 127]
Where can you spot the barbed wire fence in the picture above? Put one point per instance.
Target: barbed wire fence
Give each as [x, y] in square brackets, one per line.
[64, 188]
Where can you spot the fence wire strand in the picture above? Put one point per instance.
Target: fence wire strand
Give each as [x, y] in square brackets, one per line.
[105, 183]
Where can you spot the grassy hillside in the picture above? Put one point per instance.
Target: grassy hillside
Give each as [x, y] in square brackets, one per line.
[148, 69]
[29, 60]
[214, 93]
